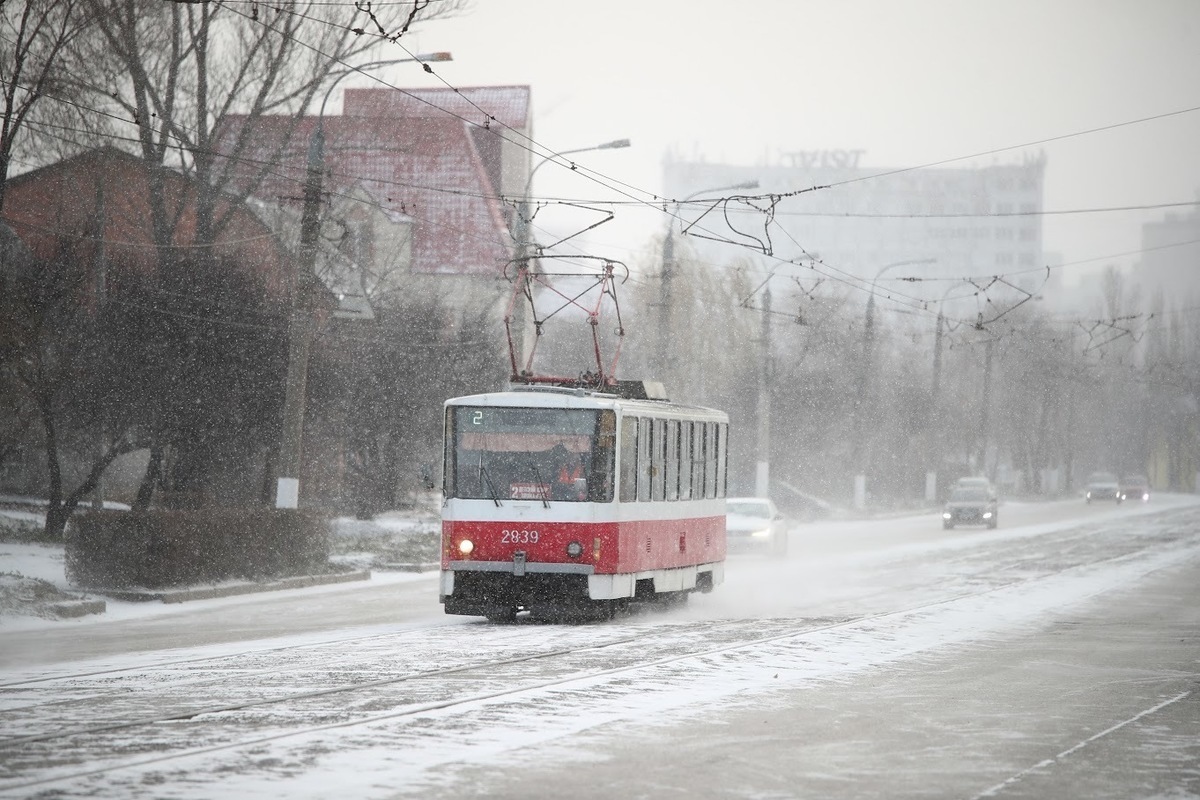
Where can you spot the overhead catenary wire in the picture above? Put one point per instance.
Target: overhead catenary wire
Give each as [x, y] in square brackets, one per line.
[600, 177]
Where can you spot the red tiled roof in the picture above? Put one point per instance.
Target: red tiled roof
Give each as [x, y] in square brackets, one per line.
[509, 105]
[426, 167]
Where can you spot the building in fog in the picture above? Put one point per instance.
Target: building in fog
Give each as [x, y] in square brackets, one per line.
[413, 186]
[973, 222]
[1170, 263]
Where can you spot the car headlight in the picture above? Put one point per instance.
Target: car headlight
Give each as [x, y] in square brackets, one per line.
[761, 533]
[946, 515]
[987, 515]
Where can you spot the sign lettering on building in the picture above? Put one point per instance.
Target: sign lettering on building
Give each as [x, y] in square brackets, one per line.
[823, 159]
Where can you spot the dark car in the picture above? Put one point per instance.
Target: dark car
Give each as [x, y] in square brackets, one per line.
[971, 505]
[1102, 486]
[977, 481]
[1135, 487]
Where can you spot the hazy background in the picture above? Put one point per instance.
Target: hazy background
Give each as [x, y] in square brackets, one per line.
[910, 83]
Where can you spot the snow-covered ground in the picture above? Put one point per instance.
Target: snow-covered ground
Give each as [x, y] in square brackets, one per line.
[424, 705]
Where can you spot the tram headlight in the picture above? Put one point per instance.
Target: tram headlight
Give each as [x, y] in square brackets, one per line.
[466, 546]
[574, 549]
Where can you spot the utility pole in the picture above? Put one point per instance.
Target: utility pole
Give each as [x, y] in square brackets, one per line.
[100, 267]
[762, 473]
[933, 415]
[665, 304]
[985, 412]
[300, 321]
[300, 330]
[937, 358]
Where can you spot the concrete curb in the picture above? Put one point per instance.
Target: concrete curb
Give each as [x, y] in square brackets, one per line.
[72, 609]
[427, 567]
[231, 590]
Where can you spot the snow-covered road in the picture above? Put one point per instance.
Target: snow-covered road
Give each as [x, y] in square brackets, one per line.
[450, 707]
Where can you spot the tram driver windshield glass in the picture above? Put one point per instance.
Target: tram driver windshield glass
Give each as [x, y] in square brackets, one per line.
[549, 454]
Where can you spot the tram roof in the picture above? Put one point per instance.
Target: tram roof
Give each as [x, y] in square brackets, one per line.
[563, 397]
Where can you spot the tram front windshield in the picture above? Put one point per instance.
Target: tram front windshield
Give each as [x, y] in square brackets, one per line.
[547, 454]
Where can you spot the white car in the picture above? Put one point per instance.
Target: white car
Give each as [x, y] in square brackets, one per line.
[755, 524]
[1103, 486]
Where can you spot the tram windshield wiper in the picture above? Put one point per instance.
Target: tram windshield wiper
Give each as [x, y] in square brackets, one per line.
[486, 480]
[543, 487]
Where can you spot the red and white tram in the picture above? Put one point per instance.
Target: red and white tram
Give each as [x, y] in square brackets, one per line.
[569, 502]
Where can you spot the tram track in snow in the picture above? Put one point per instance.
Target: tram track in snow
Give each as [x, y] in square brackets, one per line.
[415, 629]
[662, 644]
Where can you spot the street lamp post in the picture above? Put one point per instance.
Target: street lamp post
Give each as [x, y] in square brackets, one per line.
[933, 425]
[523, 233]
[300, 324]
[668, 268]
[862, 398]
[524, 239]
[937, 346]
[762, 472]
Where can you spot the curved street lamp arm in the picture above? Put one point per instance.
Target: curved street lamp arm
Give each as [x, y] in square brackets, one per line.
[613, 145]
[359, 70]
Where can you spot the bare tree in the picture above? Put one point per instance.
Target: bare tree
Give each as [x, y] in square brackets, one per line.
[38, 40]
[187, 66]
[58, 350]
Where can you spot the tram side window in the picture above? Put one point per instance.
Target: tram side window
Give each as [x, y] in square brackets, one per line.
[658, 466]
[697, 460]
[629, 451]
[685, 460]
[710, 459]
[673, 459]
[449, 483]
[643, 469]
[600, 475]
[722, 458]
